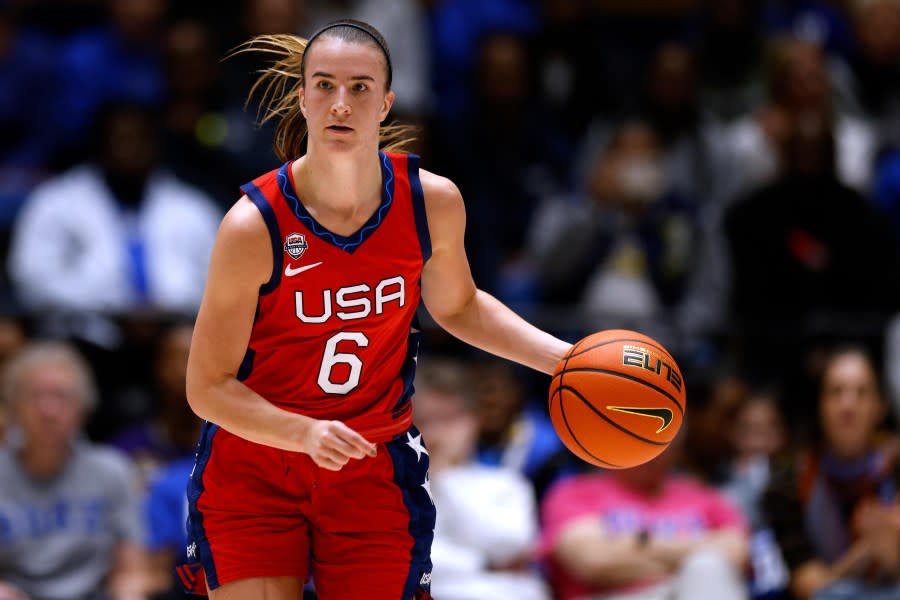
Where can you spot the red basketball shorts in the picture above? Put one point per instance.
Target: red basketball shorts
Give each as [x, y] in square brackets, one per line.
[363, 532]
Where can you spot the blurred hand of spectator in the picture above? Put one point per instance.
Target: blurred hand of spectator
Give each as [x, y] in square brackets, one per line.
[9, 592]
[878, 526]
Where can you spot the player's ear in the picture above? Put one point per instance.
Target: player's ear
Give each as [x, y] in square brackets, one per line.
[387, 104]
[301, 99]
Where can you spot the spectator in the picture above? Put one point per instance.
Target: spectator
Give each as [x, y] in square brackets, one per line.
[689, 136]
[730, 42]
[248, 144]
[513, 432]
[825, 24]
[810, 237]
[885, 196]
[12, 338]
[172, 432]
[165, 514]
[69, 518]
[799, 85]
[457, 29]
[506, 154]
[487, 522]
[707, 444]
[122, 60]
[757, 435]
[874, 75]
[26, 86]
[643, 533]
[574, 54]
[195, 129]
[834, 510]
[627, 255]
[117, 234]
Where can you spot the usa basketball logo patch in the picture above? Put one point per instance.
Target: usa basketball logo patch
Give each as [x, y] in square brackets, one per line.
[295, 245]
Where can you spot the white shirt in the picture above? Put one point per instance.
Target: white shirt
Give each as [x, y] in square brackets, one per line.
[485, 515]
[69, 248]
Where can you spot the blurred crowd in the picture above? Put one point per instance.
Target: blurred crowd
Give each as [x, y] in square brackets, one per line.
[723, 175]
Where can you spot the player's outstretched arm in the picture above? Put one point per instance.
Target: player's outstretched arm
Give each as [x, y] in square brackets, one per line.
[241, 262]
[453, 300]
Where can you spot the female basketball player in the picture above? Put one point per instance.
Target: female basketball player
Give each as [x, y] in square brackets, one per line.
[304, 348]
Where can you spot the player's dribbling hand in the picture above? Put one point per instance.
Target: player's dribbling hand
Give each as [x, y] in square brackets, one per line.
[331, 444]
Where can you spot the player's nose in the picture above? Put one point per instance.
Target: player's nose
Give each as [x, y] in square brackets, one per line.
[340, 105]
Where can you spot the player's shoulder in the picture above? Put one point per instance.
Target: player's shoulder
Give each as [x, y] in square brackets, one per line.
[438, 186]
[442, 195]
[243, 222]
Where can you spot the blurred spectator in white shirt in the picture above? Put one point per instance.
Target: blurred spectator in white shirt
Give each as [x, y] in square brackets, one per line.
[486, 516]
[114, 235]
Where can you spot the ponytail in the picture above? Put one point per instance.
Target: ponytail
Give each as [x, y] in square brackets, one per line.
[278, 86]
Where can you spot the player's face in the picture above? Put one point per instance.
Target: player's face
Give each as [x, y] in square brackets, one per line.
[850, 405]
[344, 98]
[48, 408]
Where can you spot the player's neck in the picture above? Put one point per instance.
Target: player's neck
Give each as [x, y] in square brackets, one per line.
[338, 184]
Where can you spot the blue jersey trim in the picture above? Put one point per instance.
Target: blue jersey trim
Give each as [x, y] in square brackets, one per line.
[268, 213]
[196, 532]
[410, 476]
[418, 202]
[408, 371]
[350, 243]
[246, 365]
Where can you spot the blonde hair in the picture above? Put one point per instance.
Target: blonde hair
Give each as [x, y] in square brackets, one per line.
[279, 84]
[40, 354]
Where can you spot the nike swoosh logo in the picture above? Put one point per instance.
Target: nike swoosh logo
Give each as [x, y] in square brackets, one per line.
[289, 272]
[663, 414]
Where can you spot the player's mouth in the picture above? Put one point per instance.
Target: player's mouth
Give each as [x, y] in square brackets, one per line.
[339, 129]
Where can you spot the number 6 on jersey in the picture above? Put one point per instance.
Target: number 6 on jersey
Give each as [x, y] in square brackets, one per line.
[333, 357]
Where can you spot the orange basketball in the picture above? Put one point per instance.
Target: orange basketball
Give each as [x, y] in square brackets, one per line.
[617, 399]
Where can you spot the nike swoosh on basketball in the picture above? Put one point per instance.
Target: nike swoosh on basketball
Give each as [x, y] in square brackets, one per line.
[663, 414]
[290, 272]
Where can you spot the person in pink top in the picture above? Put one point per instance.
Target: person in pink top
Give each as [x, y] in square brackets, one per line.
[643, 533]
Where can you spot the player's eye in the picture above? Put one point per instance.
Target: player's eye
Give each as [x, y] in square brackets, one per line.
[360, 87]
[323, 84]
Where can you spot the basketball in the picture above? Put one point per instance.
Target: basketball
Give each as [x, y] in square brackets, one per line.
[617, 399]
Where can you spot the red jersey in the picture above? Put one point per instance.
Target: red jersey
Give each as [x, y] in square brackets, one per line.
[333, 336]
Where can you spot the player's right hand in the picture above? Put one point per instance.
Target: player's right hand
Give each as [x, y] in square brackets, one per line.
[331, 444]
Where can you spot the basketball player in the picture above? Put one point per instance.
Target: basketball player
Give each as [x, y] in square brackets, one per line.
[304, 347]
